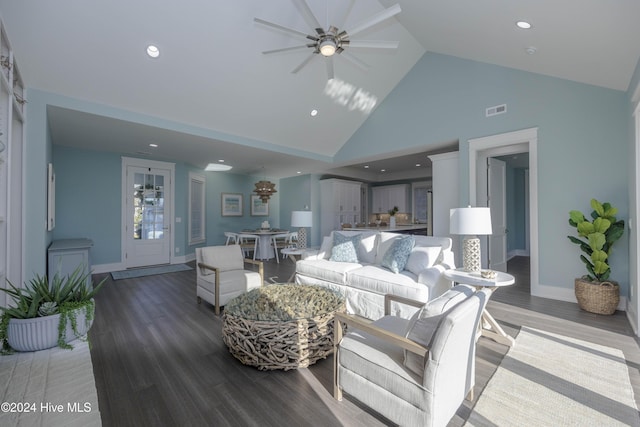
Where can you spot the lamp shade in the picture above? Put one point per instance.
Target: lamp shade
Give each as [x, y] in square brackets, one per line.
[301, 219]
[470, 221]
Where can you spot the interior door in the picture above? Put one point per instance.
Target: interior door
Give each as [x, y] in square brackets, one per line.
[148, 217]
[496, 190]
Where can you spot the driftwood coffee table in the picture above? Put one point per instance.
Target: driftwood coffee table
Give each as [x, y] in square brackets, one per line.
[285, 326]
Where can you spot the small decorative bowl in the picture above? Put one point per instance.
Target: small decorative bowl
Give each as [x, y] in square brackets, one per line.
[488, 274]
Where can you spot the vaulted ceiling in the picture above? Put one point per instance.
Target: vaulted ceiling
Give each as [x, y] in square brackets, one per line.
[216, 96]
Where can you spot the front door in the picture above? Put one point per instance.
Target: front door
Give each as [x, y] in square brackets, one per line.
[147, 214]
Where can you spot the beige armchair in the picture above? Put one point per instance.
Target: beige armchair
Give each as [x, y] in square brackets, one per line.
[415, 372]
[220, 274]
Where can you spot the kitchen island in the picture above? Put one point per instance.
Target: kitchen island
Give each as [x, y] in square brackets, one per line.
[399, 228]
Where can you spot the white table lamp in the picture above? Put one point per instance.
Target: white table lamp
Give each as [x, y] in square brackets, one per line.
[302, 219]
[470, 222]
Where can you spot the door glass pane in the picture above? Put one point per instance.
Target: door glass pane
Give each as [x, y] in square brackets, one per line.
[148, 206]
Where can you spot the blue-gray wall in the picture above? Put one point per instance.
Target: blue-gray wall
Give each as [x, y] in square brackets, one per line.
[89, 202]
[583, 141]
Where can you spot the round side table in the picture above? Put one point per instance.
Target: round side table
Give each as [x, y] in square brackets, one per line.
[489, 327]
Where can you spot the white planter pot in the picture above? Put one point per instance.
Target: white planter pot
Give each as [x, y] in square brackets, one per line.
[41, 333]
[392, 222]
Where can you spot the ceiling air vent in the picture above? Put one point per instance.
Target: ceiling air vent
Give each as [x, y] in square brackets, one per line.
[498, 109]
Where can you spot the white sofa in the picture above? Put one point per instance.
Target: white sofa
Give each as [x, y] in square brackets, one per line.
[365, 282]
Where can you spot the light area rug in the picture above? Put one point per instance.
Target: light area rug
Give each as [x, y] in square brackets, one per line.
[553, 380]
[52, 388]
[148, 271]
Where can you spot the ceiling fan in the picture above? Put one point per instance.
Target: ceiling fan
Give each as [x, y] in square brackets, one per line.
[333, 40]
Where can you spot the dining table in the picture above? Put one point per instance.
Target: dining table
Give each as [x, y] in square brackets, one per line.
[265, 250]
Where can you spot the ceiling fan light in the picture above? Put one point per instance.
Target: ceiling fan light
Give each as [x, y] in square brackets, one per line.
[327, 47]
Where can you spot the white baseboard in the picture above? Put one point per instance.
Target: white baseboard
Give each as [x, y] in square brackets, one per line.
[517, 252]
[566, 294]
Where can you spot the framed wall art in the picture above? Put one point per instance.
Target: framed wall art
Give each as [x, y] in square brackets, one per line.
[258, 207]
[231, 204]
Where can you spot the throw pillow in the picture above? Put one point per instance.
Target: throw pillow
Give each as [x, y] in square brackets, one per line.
[425, 322]
[397, 255]
[345, 248]
[325, 248]
[422, 257]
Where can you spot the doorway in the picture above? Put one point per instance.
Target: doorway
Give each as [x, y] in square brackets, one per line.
[147, 212]
[512, 143]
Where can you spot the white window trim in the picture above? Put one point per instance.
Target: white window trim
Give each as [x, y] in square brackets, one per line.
[193, 177]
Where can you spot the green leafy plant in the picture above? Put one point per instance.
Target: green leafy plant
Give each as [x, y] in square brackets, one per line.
[393, 211]
[596, 237]
[40, 298]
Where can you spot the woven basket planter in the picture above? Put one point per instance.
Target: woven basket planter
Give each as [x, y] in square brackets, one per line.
[281, 326]
[597, 297]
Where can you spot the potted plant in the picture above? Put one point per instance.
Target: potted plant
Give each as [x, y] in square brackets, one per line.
[594, 291]
[45, 314]
[392, 216]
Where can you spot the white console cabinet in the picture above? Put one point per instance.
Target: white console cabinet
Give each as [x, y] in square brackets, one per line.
[65, 256]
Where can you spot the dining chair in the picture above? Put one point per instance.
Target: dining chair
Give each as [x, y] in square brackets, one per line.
[232, 238]
[279, 241]
[248, 243]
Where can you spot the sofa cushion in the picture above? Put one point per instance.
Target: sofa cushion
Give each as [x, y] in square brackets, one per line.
[381, 281]
[323, 269]
[345, 248]
[395, 258]
[422, 257]
[424, 323]
[385, 240]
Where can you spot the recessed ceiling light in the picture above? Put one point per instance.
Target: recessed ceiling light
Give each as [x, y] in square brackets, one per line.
[298, 172]
[221, 160]
[523, 25]
[314, 113]
[217, 167]
[383, 170]
[418, 165]
[153, 51]
[531, 50]
[366, 166]
[153, 145]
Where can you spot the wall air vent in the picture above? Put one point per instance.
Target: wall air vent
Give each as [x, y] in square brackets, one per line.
[498, 109]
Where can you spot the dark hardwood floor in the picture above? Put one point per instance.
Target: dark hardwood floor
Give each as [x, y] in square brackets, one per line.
[159, 359]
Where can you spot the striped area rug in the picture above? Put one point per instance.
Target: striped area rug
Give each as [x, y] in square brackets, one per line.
[553, 380]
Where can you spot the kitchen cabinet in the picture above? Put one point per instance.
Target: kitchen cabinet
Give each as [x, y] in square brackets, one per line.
[340, 204]
[385, 197]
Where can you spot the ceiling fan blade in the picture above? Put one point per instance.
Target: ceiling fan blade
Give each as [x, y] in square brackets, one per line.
[280, 27]
[286, 49]
[340, 24]
[354, 60]
[307, 14]
[303, 63]
[373, 44]
[375, 19]
[329, 62]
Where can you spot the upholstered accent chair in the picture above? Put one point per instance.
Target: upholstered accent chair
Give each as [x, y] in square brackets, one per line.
[415, 372]
[220, 274]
